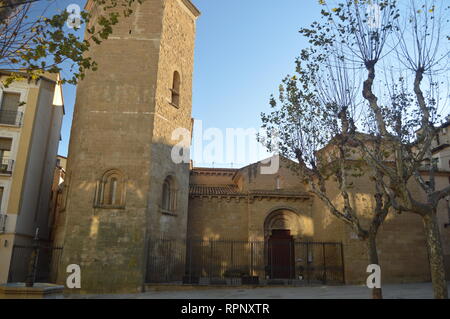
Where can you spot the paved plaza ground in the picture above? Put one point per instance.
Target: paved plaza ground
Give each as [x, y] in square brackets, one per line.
[394, 291]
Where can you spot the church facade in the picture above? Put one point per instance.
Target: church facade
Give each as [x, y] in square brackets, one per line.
[246, 205]
[123, 190]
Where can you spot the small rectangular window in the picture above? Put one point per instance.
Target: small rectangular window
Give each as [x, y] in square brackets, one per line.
[10, 101]
[435, 162]
[5, 147]
[9, 108]
[176, 82]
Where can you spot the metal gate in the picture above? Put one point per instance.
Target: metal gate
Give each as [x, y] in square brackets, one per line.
[233, 262]
[48, 259]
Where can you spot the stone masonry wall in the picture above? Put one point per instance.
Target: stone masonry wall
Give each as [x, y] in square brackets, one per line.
[119, 123]
[176, 54]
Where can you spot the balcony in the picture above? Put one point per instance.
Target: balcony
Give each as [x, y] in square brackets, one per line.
[6, 166]
[11, 117]
[3, 223]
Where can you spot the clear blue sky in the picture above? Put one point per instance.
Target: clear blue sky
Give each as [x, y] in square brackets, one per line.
[243, 50]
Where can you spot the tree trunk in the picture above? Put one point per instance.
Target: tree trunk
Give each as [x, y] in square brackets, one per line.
[435, 255]
[373, 260]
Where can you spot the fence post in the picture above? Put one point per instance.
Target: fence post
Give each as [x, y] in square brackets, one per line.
[307, 264]
[251, 259]
[210, 259]
[32, 267]
[189, 241]
[271, 258]
[342, 263]
[232, 253]
[291, 262]
[324, 265]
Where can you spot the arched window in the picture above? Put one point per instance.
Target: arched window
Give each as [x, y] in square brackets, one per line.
[111, 190]
[176, 83]
[278, 182]
[166, 196]
[168, 202]
[112, 200]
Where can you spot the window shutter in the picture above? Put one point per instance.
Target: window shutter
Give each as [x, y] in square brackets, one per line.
[10, 101]
[5, 144]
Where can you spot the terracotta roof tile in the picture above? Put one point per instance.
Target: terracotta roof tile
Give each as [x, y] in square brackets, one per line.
[196, 189]
[233, 190]
[286, 193]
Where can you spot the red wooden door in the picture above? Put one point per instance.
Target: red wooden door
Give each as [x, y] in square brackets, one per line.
[281, 255]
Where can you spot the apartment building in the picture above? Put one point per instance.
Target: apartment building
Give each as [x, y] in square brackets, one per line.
[441, 147]
[31, 113]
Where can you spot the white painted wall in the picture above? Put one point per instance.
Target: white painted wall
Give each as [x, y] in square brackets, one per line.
[39, 172]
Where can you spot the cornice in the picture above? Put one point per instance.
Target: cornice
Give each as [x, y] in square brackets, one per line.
[192, 8]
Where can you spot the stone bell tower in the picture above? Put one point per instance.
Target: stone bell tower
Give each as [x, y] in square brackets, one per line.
[122, 186]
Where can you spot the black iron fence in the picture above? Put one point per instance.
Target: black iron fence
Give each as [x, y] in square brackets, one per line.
[11, 117]
[48, 260]
[231, 262]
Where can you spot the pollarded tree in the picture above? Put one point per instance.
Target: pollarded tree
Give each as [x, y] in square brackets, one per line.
[35, 38]
[313, 118]
[406, 42]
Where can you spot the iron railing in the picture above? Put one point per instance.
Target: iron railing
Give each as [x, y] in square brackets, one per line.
[11, 117]
[48, 260]
[232, 262]
[3, 218]
[6, 165]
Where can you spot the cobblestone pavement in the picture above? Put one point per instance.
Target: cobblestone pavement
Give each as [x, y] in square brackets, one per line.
[394, 291]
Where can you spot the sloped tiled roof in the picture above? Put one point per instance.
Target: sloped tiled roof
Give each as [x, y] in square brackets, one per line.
[281, 193]
[213, 171]
[196, 189]
[233, 191]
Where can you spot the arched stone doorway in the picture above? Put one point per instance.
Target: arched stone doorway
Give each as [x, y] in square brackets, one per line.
[280, 228]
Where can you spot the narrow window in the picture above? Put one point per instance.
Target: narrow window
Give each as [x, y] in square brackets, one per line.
[435, 163]
[8, 110]
[5, 153]
[176, 89]
[113, 191]
[166, 196]
[168, 204]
